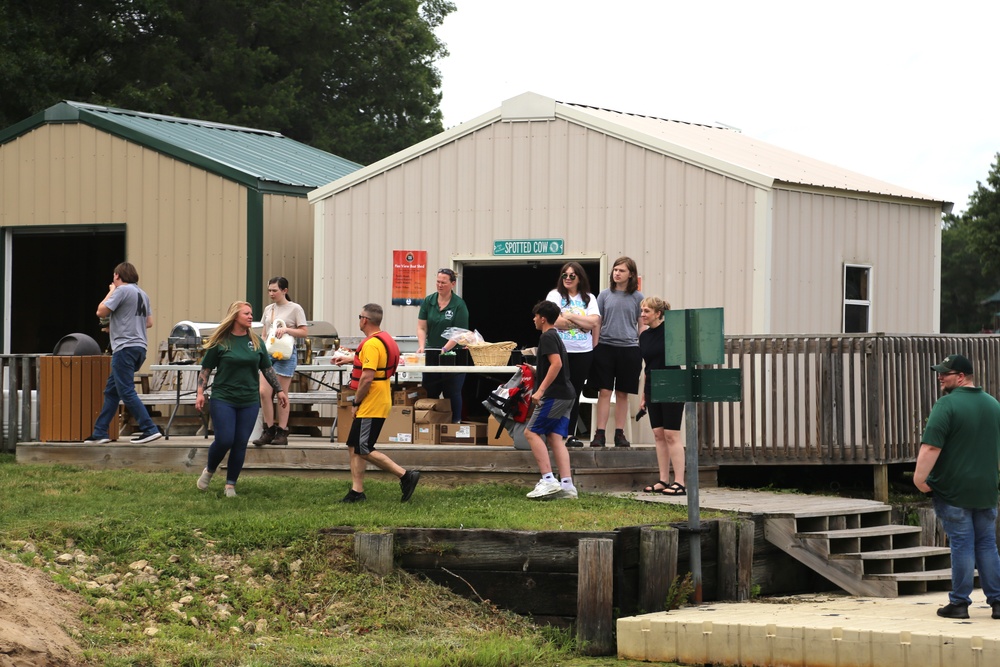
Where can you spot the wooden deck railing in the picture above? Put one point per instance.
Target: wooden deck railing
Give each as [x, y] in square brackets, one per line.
[18, 400]
[844, 399]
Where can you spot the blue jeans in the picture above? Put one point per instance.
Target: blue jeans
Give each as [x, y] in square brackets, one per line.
[973, 539]
[121, 387]
[233, 426]
[449, 384]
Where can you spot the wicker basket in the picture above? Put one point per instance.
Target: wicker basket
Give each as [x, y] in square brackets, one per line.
[491, 354]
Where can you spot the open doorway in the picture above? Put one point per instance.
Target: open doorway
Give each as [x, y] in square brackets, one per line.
[500, 296]
[54, 279]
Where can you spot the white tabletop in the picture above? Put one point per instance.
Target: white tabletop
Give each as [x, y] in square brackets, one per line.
[175, 367]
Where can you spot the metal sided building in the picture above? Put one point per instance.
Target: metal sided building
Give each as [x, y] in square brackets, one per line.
[783, 242]
[207, 213]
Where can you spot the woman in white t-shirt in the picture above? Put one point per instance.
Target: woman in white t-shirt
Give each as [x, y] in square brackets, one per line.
[579, 325]
[294, 318]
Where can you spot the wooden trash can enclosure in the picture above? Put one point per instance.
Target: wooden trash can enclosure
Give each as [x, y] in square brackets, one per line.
[70, 396]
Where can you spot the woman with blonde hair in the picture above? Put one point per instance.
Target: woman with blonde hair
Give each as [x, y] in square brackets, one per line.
[664, 418]
[236, 354]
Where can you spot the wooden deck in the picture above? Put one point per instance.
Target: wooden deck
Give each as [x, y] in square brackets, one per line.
[606, 469]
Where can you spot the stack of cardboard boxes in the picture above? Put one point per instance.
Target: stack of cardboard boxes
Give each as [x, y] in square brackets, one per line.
[428, 414]
[398, 427]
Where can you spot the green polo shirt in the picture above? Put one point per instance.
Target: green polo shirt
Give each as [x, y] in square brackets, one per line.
[965, 426]
[456, 314]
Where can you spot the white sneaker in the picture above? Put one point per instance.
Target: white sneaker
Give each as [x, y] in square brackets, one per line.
[545, 489]
[569, 493]
[230, 492]
[205, 479]
[97, 441]
[143, 438]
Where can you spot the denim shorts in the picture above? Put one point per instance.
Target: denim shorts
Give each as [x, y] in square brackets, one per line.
[284, 367]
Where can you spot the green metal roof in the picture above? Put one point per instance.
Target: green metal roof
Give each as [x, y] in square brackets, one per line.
[267, 161]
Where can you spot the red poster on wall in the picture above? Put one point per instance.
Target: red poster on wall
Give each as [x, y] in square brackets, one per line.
[409, 277]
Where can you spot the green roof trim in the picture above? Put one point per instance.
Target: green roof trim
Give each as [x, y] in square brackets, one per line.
[265, 161]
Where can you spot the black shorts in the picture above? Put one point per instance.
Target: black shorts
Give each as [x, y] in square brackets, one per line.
[665, 415]
[616, 368]
[364, 433]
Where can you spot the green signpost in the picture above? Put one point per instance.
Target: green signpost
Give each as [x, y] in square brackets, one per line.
[694, 337]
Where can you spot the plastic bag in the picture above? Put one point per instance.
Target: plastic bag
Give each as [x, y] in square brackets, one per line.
[463, 336]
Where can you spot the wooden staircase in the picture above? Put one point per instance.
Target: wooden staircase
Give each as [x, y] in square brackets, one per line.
[860, 550]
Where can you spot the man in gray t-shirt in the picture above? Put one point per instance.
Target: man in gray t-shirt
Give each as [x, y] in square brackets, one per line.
[129, 314]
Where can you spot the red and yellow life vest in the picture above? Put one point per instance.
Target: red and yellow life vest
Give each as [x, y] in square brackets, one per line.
[392, 355]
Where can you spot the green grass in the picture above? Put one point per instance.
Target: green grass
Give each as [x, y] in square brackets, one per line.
[255, 581]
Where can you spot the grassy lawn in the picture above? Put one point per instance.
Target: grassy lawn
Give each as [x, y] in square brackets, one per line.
[174, 576]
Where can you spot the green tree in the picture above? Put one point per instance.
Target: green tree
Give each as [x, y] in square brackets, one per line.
[353, 77]
[970, 263]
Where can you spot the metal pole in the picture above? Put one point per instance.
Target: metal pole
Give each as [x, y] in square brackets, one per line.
[694, 515]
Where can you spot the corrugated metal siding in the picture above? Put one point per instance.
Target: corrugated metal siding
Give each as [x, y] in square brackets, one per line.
[288, 247]
[815, 235]
[690, 230]
[186, 228]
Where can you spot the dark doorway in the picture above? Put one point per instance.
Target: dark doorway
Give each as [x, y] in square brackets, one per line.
[58, 276]
[500, 296]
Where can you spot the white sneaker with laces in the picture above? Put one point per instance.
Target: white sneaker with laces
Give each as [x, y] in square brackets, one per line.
[569, 493]
[546, 488]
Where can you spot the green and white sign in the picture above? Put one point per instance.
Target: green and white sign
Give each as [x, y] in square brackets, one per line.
[528, 247]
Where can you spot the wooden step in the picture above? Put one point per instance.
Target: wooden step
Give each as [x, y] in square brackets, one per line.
[871, 531]
[814, 512]
[927, 575]
[889, 554]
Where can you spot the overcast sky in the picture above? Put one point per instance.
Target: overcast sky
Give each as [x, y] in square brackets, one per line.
[901, 91]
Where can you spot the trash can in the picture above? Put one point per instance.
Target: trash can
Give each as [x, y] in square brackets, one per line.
[71, 390]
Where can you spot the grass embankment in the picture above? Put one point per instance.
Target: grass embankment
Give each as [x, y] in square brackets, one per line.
[174, 576]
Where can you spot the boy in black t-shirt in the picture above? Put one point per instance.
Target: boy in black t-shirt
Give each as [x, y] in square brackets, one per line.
[553, 399]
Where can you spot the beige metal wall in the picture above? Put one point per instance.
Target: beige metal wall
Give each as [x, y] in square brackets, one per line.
[186, 228]
[814, 235]
[691, 231]
[288, 247]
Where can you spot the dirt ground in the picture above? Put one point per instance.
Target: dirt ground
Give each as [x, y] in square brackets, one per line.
[37, 618]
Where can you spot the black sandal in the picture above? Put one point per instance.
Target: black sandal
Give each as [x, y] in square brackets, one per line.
[651, 488]
[674, 489]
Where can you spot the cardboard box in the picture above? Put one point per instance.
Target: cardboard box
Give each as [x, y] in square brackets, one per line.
[492, 425]
[425, 434]
[345, 397]
[408, 395]
[398, 428]
[468, 433]
[436, 404]
[345, 417]
[431, 417]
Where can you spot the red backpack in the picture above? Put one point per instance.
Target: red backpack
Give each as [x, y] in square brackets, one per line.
[512, 401]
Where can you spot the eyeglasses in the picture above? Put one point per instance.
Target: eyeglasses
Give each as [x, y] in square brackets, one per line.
[941, 375]
[569, 276]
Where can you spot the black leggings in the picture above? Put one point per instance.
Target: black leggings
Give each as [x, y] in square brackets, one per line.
[579, 369]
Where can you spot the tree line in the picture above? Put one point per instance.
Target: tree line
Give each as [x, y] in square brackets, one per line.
[352, 77]
[970, 261]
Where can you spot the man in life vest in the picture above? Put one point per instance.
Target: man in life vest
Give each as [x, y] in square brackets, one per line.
[375, 362]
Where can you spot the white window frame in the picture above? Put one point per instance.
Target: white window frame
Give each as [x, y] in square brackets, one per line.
[867, 303]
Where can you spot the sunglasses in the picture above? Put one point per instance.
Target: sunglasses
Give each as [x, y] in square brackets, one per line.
[569, 276]
[447, 272]
[362, 317]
